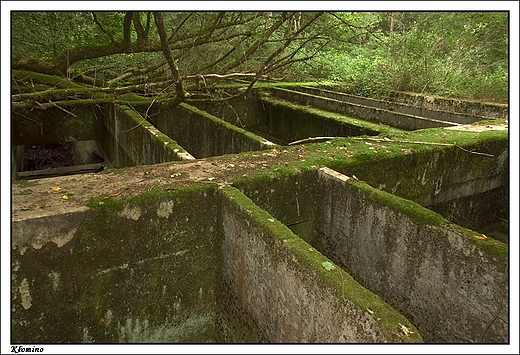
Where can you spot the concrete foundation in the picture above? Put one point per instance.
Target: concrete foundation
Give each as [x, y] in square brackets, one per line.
[408, 109]
[196, 265]
[373, 240]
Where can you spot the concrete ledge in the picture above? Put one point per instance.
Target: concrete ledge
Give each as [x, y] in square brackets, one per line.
[397, 107]
[387, 117]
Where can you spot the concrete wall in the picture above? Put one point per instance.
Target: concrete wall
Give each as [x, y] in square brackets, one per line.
[469, 189]
[448, 285]
[378, 115]
[435, 273]
[130, 140]
[485, 109]
[293, 123]
[284, 283]
[204, 135]
[192, 265]
[393, 106]
[145, 270]
[239, 111]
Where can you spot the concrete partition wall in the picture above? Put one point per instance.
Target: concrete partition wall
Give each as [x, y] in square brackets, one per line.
[373, 114]
[468, 107]
[130, 140]
[449, 281]
[142, 270]
[294, 293]
[294, 122]
[393, 106]
[452, 284]
[204, 135]
[240, 111]
[468, 185]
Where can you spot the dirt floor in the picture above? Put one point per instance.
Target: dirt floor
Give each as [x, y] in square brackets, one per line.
[40, 197]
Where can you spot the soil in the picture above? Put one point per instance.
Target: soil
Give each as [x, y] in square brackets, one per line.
[40, 197]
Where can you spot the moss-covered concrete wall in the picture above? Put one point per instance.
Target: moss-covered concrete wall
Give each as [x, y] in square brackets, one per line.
[291, 290]
[143, 270]
[291, 122]
[449, 282]
[486, 109]
[204, 135]
[393, 106]
[378, 115]
[239, 111]
[131, 140]
[467, 184]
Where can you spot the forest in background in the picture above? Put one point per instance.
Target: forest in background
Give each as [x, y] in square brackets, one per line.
[453, 54]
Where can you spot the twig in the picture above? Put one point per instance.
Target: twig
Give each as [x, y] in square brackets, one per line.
[30, 119]
[62, 109]
[313, 139]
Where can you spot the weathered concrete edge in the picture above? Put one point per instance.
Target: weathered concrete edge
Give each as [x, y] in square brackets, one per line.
[349, 294]
[264, 143]
[179, 152]
[37, 231]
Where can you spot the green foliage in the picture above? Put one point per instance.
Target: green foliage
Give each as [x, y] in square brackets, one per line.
[453, 54]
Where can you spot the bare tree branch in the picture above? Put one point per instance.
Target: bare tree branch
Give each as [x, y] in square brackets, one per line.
[102, 28]
[179, 89]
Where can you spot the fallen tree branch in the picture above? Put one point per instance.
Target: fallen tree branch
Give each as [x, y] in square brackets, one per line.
[313, 139]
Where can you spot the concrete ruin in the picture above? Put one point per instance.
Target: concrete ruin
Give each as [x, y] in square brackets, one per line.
[373, 233]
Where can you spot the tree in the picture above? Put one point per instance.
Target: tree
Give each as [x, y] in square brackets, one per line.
[96, 54]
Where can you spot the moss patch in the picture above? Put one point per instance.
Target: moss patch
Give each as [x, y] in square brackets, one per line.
[413, 210]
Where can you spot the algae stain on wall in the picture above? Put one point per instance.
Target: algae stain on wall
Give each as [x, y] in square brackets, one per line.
[165, 209]
[130, 213]
[25, 294]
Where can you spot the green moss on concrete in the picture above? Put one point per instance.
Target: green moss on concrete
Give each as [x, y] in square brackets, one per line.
[344, 285]
[413, 210]
[223, 123]
[492, 247]
[349, 289]
[149, 266]
[134, 115]
[363, 126]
